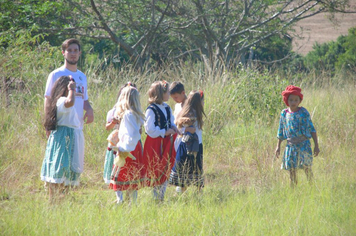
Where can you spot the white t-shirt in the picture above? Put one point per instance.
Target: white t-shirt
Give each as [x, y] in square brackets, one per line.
[199, 132]
[151, 129]
[177, 108]
[67, 116]
[81, 89]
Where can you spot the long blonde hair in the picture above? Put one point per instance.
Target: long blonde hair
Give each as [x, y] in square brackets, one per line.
[129, 100]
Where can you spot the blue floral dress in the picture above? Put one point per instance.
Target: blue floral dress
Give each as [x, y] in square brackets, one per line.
[296, 128]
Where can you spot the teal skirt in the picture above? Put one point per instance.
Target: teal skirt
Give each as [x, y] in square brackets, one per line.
[108, 164]
[56, 166]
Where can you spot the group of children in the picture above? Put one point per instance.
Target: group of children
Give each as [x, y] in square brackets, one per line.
[173, 150]
[165, 157]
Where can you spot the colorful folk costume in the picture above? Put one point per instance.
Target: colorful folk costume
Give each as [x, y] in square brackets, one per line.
[188, 167]
[158, 151]
[110, 153]
[65, 148]
[296, 128]
[128, 175]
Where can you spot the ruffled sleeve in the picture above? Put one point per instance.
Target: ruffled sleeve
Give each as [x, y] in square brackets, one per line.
[151, 129]
[172, 117]
[307, 124]
[61, 109]
[281, 134]
[110, 115]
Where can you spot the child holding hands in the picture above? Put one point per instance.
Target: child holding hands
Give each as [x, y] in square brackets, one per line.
[158, 151]
[188, 167]
[296, 127]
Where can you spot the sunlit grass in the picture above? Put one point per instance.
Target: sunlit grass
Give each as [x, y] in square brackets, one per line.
[246, 193]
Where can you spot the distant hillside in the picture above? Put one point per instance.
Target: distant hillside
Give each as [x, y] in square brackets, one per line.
[320, 29]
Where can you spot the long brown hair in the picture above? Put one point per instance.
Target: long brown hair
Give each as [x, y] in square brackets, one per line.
[59, 89]
[193, 107]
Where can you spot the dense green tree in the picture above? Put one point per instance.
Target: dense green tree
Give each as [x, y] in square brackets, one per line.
[347, 59]
[334, 55]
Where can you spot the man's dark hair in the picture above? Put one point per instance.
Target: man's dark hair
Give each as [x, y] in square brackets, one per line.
[68, 42]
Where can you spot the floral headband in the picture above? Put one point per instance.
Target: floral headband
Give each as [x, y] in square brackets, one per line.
[164, 84]
[129, 84]
[201, 94]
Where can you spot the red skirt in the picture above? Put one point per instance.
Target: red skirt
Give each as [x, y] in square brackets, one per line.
[129, 177]
[158, 157]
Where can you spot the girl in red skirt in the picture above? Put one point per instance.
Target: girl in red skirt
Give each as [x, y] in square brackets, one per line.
[159, 153]
[128, 177]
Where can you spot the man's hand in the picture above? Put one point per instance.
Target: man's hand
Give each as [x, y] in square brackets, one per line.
[89, 116]
[89, 113]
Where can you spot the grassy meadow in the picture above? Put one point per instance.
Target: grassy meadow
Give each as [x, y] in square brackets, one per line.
[246, 192]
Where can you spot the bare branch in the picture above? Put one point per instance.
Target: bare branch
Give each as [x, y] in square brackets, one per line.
[113, 36]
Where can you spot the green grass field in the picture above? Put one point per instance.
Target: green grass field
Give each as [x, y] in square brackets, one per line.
[246, 192]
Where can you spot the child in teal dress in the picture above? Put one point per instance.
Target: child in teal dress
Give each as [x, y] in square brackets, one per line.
[59, 167]
[296, 127]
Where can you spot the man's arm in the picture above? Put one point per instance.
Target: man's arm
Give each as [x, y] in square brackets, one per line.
[89, 112]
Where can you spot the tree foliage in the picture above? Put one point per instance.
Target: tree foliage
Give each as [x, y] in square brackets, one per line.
[158, 30]
[333, 56]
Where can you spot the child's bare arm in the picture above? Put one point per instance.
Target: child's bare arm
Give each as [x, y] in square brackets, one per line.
[316, 144]
[111, 125]
[69, 102]
[278, 148]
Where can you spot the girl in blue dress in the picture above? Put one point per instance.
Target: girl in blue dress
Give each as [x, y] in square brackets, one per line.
[296, 127]
[188, 166]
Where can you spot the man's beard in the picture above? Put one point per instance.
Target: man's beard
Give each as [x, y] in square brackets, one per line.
[72, 62]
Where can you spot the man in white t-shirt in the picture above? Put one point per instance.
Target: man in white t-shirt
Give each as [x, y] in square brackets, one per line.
[71, 53]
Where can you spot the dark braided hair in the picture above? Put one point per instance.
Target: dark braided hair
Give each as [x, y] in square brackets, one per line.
[59, 89]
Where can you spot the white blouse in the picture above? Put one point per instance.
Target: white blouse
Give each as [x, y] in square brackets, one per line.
[151, 129]
[110, 117]
[129, 132]
[67, 116]
[199, 132]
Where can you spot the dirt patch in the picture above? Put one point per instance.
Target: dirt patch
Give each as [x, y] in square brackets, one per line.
[320, 29]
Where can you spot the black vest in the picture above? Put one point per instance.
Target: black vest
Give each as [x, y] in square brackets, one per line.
[160, 120]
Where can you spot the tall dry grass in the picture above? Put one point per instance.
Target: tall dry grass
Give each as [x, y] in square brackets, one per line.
[246, 193]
